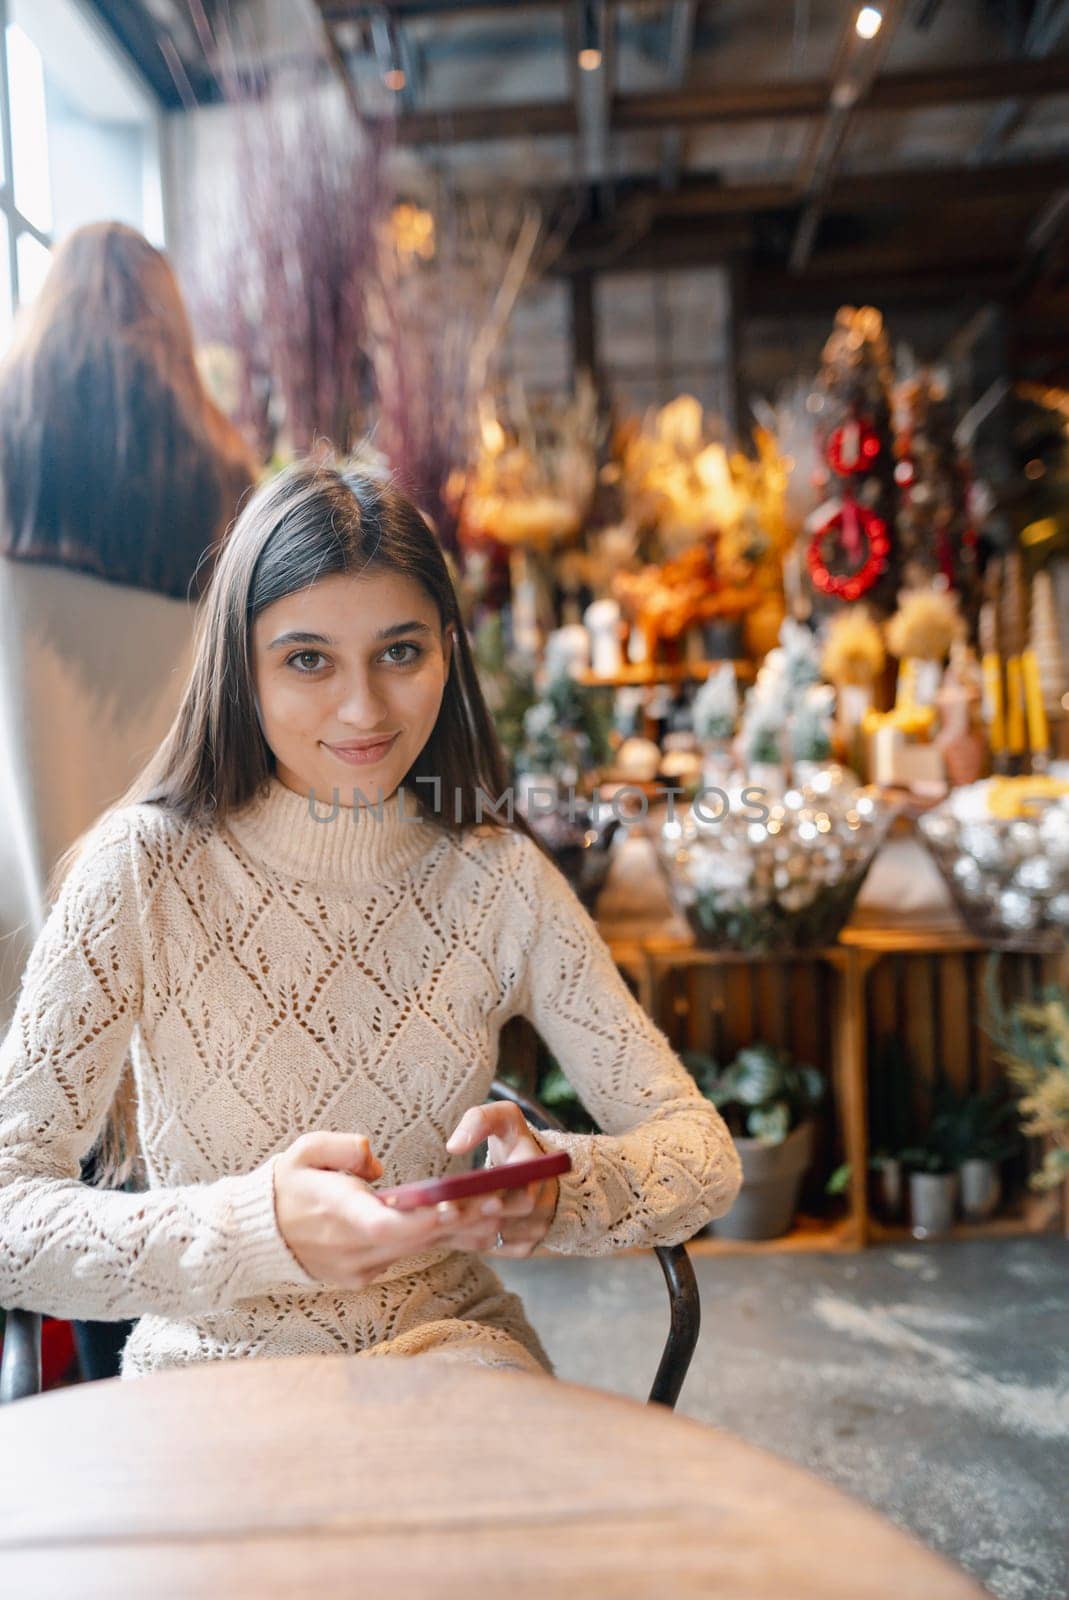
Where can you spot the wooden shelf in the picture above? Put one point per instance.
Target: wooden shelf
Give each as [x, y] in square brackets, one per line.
[932, 997]
[645, 674]
[808, 1233]
[1035, 1214]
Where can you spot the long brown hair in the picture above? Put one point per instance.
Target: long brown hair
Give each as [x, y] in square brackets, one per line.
[114, 461]
[308, 523]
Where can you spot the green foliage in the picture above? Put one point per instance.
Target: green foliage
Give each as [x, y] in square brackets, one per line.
[567, 729]
[1033, 1043]
[719, 920]
[556, 1094]
[763, 1094]
[890, 1099]
[964, 1127]
[507, 685]
[564, 729]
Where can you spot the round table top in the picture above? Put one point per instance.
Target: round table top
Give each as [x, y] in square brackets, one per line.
[425, 1476]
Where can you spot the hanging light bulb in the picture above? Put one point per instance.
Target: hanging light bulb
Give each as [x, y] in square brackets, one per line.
[869, 22]
[590, 35]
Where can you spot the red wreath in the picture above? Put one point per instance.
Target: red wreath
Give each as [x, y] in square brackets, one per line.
[853, 448]
[853, 524]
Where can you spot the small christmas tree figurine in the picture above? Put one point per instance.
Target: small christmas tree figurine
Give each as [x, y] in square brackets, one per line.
[1047, 644]
[850, 535]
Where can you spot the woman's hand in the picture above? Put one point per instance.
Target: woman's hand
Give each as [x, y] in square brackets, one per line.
[526, 1213]
[332, 1221]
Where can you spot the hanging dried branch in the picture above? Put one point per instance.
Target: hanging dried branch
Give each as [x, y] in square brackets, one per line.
[436, 326]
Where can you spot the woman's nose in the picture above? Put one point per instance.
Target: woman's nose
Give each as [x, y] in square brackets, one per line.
[361, 705]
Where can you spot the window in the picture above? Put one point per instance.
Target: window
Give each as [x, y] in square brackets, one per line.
[79, 140]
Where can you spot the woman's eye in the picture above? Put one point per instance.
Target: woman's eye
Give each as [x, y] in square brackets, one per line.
[303, 655]
[404, 661]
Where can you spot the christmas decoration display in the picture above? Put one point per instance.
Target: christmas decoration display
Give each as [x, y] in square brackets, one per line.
[663, 602]
[850, 535]
[960, 739]
[935, 531]
[853, 530]
[683, 492]
[787, 713]
[677, 483]
[784, 878]
[920, 634]
[716, 706]
[533, 480]
[853, 660]
[566, 731]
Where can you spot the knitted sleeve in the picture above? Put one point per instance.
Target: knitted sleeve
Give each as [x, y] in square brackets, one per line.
[665, 1163]
[66, 1248]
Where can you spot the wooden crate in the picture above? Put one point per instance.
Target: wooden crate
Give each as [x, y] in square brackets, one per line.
[834, 1008]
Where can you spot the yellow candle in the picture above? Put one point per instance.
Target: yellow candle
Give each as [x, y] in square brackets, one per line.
[1014, 706]
[1038, 731]
[906, 688]
[993, 706]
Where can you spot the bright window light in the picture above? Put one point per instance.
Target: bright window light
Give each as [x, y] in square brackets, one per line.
[869, 21]
[29, 137]
[6, 307]
[34, 260]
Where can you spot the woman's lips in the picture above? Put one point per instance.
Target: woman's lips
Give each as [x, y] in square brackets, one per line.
[366, 757]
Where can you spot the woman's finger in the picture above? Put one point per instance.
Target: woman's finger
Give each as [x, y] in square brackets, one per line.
[497, 1119]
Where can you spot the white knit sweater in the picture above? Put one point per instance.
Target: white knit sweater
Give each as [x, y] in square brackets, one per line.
[286, 974]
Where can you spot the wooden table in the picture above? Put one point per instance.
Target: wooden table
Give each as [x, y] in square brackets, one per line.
[327, 1475]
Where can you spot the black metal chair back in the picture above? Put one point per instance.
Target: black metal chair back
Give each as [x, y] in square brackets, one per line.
[685, 1310]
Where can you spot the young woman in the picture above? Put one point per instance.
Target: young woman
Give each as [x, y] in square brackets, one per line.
[309, 942]
[118, 479]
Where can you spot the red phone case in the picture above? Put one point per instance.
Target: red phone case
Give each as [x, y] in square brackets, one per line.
[483, 1180]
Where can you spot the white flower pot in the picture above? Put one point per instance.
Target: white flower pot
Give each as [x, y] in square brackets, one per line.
[932, 1196]
[981, 1189]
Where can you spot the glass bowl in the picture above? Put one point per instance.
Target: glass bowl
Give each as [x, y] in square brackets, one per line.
[784, 882]
[1009, 878]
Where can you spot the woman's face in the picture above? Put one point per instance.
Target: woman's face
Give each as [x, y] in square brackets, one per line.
[355, 660]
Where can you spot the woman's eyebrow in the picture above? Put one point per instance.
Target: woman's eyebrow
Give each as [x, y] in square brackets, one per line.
[297, 637]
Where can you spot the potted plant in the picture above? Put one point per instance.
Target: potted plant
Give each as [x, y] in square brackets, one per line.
[963, 1127]
[986, 1136]
[933, 1186]
[766, 1100]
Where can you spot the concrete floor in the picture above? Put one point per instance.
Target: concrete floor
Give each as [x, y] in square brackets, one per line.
[931, 1381]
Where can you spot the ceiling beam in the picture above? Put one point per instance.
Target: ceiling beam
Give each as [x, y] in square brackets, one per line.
[343, 10]
[778, 294]
[900, 91]
[912, 188]
[150, 46]
[1044, 33]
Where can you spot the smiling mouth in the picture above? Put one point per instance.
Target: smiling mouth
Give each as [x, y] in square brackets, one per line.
[363, 752]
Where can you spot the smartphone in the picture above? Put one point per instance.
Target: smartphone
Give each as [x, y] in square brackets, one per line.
[483, 1180]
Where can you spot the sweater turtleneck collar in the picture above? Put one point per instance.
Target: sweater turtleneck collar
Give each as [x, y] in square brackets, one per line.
[324, 842]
